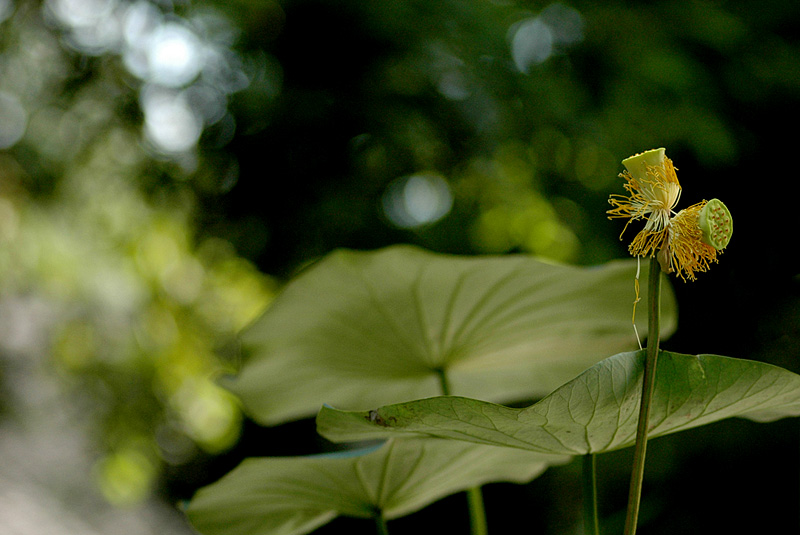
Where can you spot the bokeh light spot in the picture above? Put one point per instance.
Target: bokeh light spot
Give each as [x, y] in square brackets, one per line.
[417, 200]
[6, 9]
[126, 476]
[170, 122]
[13, 120]
[535, 39]
[174, 55]
[92, 25]
[531, 44]
[209, 413]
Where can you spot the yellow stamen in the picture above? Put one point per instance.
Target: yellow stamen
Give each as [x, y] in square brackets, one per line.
[687, 253]
[636, 301]
[685, 243]
[653, 195]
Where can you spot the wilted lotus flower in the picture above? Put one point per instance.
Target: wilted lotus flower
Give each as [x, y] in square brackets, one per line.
[686, 242]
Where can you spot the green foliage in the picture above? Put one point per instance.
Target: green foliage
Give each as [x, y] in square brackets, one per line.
[134, 246]
[401, 323]
[137, 312]
[358, 327]
[98, 235]
[294, 495]
[595, 412]
[361, 329]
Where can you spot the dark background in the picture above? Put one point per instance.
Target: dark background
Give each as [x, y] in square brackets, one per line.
[343, 100]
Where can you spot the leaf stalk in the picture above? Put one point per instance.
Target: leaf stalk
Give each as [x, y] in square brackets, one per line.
[380, 523]
[591, 518]
[477, 510]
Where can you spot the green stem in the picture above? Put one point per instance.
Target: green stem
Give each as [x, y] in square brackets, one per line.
[380, 523]
[444, 384]
[591, 519]
[477, 511]
[648, 385]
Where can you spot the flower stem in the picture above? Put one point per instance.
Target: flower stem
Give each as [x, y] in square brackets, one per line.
[591, 519]
[477, 511]
[648, 385]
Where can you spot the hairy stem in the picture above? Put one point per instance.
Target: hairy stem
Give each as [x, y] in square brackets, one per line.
[648, 385]
[591, 519]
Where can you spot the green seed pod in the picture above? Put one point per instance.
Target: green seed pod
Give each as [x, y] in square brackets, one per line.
[638, 163]
[716, 223]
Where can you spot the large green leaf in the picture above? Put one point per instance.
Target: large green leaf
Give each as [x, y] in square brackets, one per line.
[595, 412]
[362, 329]
[293, 495]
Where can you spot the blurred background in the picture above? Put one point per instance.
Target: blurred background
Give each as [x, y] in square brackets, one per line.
[166, 165]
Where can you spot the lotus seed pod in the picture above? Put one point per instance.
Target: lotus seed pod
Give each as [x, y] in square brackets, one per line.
[716, 223]
[638, 163]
